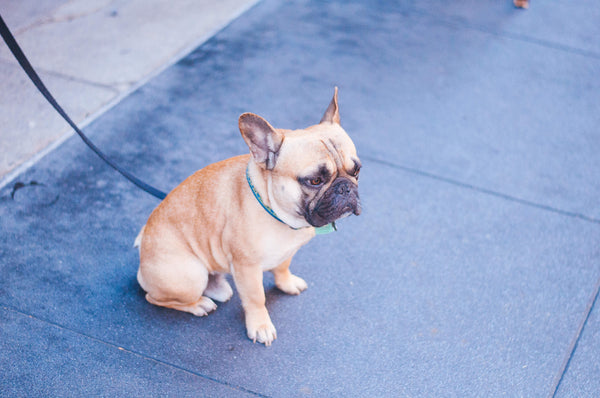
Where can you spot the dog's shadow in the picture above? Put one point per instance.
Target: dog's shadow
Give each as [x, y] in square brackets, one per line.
[273, 296]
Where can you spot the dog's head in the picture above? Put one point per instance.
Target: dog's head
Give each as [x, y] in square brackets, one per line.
[311, 174]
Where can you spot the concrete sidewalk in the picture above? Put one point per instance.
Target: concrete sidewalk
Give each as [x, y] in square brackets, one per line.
[473, 270]
[90, 54]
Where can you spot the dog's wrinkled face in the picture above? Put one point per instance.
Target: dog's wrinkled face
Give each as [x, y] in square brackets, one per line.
[316, 176]
[312, 173]
[330, 192]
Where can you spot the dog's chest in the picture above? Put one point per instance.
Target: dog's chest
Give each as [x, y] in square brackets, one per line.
[278, 247]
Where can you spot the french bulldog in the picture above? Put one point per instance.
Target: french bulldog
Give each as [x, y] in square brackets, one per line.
[249, 214]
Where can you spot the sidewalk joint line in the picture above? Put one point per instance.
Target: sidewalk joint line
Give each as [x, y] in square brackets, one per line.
[130, 351]
[575, 342]
[482, 190]
[113, 87]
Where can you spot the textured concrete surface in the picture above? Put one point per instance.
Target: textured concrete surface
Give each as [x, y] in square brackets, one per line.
[471, 271]
[90, 54]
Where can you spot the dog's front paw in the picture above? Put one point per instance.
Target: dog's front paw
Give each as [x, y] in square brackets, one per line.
[293, 284]
[263, 334]
[261, 330]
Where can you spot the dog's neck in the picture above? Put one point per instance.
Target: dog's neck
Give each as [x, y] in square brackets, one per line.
[262, 189]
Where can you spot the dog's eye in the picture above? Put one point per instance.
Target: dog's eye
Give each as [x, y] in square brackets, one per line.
[356, 169]
[316, 181]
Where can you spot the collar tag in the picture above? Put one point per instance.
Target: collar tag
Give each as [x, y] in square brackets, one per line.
[326, 229]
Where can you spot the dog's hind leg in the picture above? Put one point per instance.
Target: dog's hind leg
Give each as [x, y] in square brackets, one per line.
[177, 281]
[200, 308]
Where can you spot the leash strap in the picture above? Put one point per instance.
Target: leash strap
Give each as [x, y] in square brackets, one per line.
[33, 76]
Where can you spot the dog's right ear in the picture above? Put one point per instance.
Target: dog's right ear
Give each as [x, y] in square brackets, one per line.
[262, 139]
[332, 114]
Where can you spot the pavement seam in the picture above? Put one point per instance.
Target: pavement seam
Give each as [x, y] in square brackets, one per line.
[41, 71]
[113, 87]
[575, 342]
[130, 351]
[482, 190]
[59, 19]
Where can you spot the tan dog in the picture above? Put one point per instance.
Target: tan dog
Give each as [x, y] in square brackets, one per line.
[246, 215]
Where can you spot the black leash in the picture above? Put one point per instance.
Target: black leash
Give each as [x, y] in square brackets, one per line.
[20, 56]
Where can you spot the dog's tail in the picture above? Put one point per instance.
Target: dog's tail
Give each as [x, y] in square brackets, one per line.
[138, 240]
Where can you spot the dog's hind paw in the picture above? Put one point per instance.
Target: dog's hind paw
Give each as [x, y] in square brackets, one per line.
[200, 308]
[203, 307]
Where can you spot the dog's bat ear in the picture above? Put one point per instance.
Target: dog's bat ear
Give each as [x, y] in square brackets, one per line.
[332, 114]
[262, 139]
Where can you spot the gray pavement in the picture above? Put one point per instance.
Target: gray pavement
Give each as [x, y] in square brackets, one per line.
[473, 270]
[90, 54]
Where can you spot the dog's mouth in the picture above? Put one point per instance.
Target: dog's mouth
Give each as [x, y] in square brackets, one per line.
[319, 218]
[339, 201]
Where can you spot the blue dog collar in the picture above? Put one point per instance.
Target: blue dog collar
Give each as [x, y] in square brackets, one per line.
[325, 229]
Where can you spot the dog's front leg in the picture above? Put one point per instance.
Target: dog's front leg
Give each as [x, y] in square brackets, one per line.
[286, 281]
[249, 283]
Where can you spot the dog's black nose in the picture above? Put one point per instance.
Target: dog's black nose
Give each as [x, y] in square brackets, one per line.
[347, 195]
[343, 187]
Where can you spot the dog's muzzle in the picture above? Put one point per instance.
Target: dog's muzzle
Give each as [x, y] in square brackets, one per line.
[340, 200]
